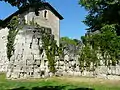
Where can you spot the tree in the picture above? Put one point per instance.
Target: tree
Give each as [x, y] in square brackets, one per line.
[68, 40]
[1, 22]
[103, 16]
[22, 3]
[101, 12]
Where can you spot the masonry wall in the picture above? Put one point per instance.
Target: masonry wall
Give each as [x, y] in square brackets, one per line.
[26, 55]
[28, 63]
[51, 21]
[3, 55]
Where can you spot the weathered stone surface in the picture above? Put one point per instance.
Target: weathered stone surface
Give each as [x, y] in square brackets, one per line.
[3, 55]
[28, 62]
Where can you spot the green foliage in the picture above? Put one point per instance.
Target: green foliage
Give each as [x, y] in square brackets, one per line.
[68, 40]
[22, 3]
[61, 51]
[103, 16]
[32, 22]
[58, 83]
[101, 12]
[88, 56]
[1, 21]
[69, 45]
[13, 26]
[106, 43]
[49, 44]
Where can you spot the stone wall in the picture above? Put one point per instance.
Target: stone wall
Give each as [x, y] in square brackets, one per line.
[3, 55]
[27, 62]
[26, 36]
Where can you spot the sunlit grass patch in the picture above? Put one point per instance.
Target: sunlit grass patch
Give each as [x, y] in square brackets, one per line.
[59, 83]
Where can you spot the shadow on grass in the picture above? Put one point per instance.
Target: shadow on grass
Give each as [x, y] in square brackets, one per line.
[82, 89]
[51, 88]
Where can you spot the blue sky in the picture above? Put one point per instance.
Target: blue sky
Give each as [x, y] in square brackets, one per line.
[73, 14]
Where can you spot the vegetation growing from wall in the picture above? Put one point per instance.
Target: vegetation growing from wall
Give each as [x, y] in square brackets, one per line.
[13, 30]
[48, 44]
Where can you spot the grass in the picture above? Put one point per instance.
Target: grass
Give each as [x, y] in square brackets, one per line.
[59, 83]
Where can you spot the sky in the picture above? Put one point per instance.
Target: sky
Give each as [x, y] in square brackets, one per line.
[71, 26]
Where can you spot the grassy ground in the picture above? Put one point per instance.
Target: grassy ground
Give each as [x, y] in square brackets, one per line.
[59, 83]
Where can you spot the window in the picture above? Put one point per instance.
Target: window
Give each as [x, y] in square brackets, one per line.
[45, 14]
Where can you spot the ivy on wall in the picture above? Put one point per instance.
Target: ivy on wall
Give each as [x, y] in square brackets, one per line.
[50, 47]
[49, 44]
[13, 30]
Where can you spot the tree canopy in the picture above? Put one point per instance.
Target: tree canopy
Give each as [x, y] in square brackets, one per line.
[19, 3]
[101, 12]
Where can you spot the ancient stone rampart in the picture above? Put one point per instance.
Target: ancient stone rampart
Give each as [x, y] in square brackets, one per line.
[28, 62]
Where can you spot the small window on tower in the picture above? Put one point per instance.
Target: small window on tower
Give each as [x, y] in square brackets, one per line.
[45, 14]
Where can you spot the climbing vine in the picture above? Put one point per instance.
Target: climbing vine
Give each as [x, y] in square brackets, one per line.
[49, 45]
[13, 30]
